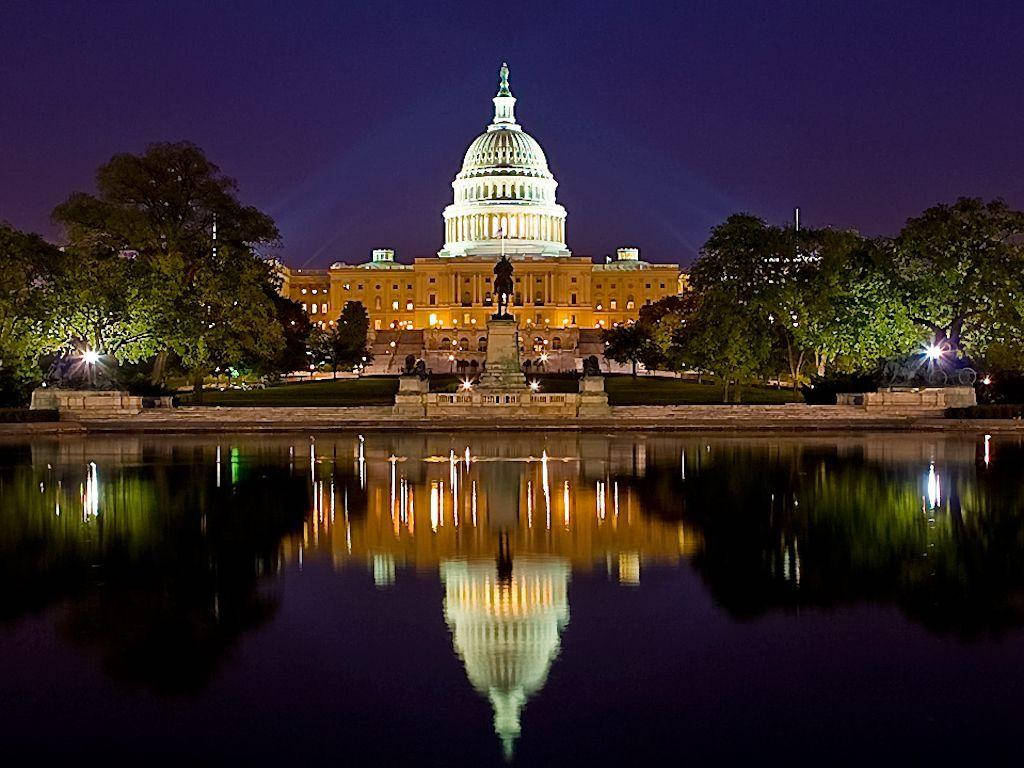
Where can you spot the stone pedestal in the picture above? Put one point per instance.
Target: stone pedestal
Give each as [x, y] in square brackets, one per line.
[503, 368]
[911, 399]
[593, 399]
[85, 403]
[411, 396]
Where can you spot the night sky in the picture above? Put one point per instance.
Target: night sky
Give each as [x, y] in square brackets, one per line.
[347, 121]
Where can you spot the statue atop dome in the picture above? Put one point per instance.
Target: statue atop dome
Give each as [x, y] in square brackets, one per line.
[503, 81]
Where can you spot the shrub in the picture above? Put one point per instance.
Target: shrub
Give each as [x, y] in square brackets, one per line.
[823, 389]
[986, 412]
[22, 415]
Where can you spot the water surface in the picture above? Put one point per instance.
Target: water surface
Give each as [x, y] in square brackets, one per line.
[470, 599]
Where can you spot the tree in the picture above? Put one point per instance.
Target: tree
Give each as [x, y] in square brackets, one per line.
[296, 329]
[171, 212]
[26, 299]
[958, 269]
[733, 331]
[627, 344]
[345, 344]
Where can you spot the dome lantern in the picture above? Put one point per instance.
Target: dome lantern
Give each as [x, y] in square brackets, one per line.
[504, 104]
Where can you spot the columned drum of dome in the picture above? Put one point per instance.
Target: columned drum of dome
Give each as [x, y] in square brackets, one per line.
[504, 196]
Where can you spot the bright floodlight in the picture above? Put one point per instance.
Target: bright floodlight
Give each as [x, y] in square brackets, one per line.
[534, 385]
[543, 357]
[91, 356]
[933, 351]
[466, 384]
[987, 380]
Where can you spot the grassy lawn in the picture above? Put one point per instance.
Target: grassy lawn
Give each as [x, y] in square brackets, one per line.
[650, 390]
[380, 390]
[371, 390]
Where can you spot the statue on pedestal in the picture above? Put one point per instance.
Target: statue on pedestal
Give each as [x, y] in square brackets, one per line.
[503, 287]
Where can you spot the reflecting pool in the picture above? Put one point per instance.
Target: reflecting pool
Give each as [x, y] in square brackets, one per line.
[527, 599]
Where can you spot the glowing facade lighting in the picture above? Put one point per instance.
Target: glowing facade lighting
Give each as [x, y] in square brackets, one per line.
[933, 351]
[534, 386]
[91, 356]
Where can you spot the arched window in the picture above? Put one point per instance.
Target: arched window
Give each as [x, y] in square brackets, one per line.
[613, 304]
[463, 343]
[556, 342]
[481, 344]
[446, 342]
[376, 302]
[630, 303]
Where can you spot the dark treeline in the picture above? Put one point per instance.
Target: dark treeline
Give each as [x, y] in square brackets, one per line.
[769, 302]
[162, 274]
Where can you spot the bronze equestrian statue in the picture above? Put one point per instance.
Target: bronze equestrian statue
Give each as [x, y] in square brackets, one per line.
[503, 287]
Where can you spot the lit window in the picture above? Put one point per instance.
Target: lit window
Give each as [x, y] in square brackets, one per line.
[394, 305]
[408, 306]
[303, 291]
[315, 291]
[613, 304]
[323, 308]
[599, 306]
[312, 309]
[305, 308]
[347, 286]
[432, 319]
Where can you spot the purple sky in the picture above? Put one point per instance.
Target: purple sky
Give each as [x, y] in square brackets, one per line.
[347, 121]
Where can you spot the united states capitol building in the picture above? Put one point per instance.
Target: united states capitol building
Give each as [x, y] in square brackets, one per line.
[504, 202]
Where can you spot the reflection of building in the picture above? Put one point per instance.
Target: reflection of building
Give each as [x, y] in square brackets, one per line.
[400, 502]
[504, 201]
[504, 526]
[506, 632]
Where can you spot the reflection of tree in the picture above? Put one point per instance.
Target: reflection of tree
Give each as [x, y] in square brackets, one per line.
[158, 568]
[789, 526]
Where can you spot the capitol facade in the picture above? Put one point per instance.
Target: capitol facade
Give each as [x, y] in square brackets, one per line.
[504, 202]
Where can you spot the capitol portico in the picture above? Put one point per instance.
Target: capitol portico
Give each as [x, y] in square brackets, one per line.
[504, 201]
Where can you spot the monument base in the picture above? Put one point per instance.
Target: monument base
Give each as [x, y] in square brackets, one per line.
[593, 400]
[910, 399]
[84, 403]
[409, 400]
[502, 368]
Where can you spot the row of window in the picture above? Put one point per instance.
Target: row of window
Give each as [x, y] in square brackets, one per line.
[312, 308]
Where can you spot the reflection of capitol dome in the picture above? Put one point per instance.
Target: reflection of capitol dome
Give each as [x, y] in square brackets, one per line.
[504, 192]
[507, 634]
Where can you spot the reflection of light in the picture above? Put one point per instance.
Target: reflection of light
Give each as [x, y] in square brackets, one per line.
[934, 491]
[435, 504]
[218, 466]
[565, 502]
[91, 494]
[988, 449]
[599, 490]
[384, 569]
[629, 568]
[546, 487]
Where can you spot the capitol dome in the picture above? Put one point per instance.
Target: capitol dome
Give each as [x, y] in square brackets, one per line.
[504, 199]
